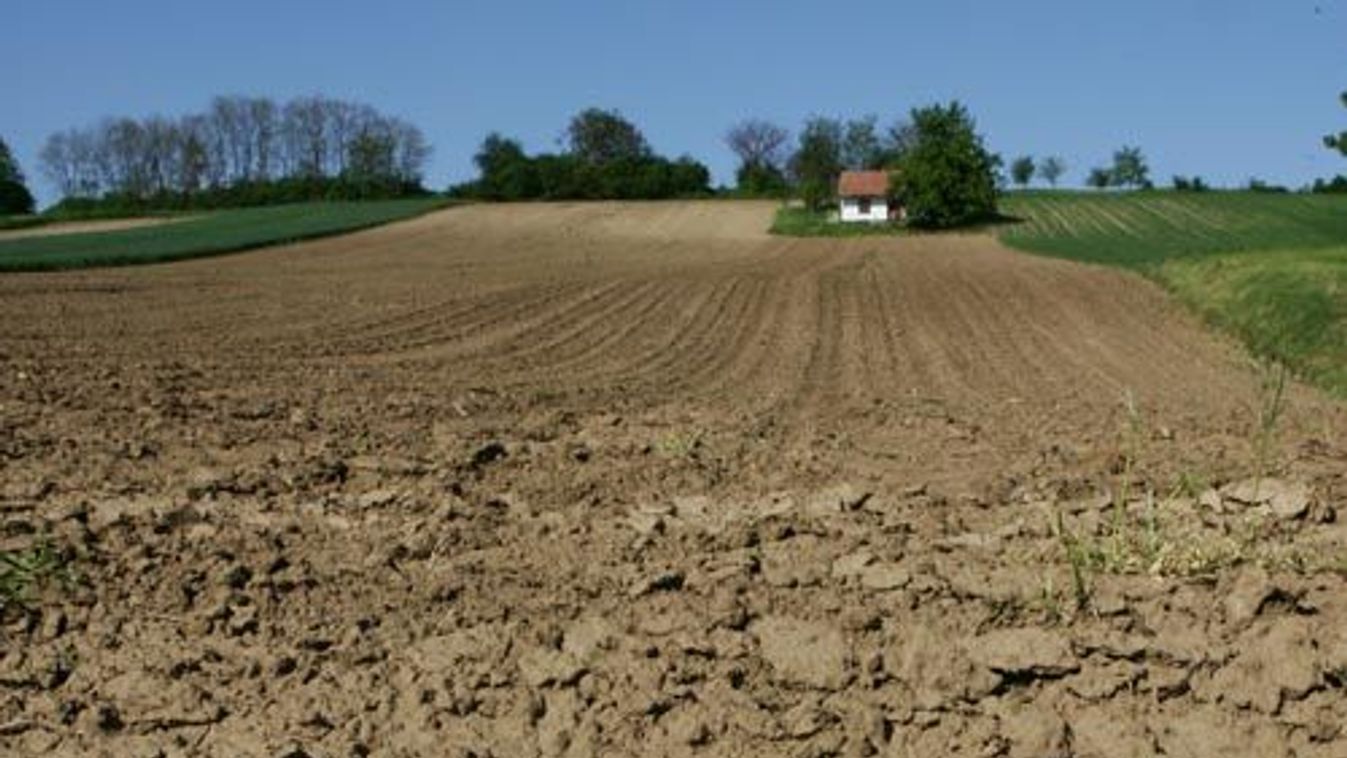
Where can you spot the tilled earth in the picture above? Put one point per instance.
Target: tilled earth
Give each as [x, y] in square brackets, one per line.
[602, 479]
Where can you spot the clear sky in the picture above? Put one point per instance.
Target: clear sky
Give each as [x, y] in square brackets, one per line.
[1227, 89]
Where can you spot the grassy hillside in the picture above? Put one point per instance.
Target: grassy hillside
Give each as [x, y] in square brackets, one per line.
[1271, 269]
[213, 234]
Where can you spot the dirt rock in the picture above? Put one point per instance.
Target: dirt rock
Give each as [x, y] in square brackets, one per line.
[1212, 731]
[804, 653]
[1276, 663]
[1024, 653]
[1285, 500]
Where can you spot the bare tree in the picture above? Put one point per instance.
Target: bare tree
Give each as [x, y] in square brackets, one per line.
[57, 162]
[305, 123]
[237, 139]
[757, 142]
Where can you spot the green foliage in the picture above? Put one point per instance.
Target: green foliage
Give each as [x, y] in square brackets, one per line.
[347, 187]
[761, 180]
[1335, 186]
[609, 160]
[1100, 178]
[222, 232]
[760, 146]
[947, 178]
[818, 161]
[1338, 141]
[1258, 185]
[1022, 170]
[862, 147]
[15, 199]
[803, 222]
[1129, 168]
[505, 171]
[1269, 268]
[1052, 169]
[600, 137]
[1194, 184]
[25, 570]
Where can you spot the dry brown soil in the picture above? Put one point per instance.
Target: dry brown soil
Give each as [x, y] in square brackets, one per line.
[85, 227]
[604, 479]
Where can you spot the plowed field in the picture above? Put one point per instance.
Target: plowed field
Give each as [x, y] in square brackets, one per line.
[639, 479]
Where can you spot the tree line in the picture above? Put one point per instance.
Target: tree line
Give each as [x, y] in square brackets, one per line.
[940, 168]
[252, 150]
[607, 157]
[239, 151]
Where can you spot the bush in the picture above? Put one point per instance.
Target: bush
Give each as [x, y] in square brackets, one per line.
[15, 199]
[241, 195]
[569, 177]
[1335, 186]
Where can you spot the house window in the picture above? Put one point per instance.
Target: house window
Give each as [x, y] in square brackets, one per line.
[864, 204]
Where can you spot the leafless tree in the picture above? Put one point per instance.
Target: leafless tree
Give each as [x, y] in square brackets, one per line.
[237, 139]
[758, 143]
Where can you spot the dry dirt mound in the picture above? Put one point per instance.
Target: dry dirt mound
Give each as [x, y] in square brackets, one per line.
[602, 479]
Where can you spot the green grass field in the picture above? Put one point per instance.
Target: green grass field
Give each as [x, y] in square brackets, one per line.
[1271, 269]
[793, 221]
[212, 234]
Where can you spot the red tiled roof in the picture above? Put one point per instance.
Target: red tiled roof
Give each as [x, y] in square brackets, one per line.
[863, 184]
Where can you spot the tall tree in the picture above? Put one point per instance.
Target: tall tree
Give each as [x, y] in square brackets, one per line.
[862, 147]
[948, 177]
[1338, 141]
[1022, 170]
[600, 137]
[818, 160]
[1051, 169]
[1129, 168]
[505, 170]
[14, 195]
[760, 147]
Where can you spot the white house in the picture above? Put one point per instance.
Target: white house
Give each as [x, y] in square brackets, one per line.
[864, 197]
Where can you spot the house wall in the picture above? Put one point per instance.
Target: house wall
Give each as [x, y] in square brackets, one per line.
[851, 210]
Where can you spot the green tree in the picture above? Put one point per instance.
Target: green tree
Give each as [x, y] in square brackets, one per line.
[947, 178]
[1022, 170]
[818, 160]
[862, 147]
[1338, 141]
[598, 137]
[1051, 169]
[15, 199]
[1129, 168]
[1100, 178]
[370, 159]
[506, 172]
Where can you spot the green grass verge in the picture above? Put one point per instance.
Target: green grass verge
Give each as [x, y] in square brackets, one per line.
[1271, 269]
[801, 222]
[1289, 305]
[21, 222]
[212, 234]
[1145, 229]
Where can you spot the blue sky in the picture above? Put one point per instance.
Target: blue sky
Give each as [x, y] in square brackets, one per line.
[1227, 89]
